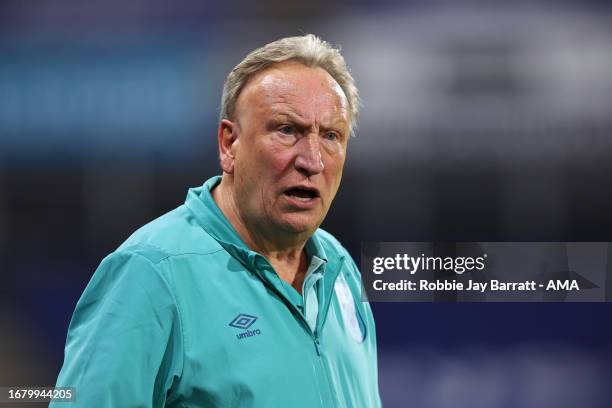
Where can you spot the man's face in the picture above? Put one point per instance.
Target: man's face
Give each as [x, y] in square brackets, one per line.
[292, 125]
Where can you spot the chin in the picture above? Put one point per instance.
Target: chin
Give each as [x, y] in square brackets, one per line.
[300, 224]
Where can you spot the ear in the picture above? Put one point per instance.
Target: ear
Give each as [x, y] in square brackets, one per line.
[228, 142]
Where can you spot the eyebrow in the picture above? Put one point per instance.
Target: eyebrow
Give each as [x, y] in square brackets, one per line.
[303, 123]
[292, 117]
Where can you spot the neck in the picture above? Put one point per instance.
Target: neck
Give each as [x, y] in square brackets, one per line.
[285, 252]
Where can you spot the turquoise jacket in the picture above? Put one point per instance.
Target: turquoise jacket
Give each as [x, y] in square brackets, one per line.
[183, 314]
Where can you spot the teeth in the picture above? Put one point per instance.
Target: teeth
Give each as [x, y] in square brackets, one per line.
[302, 198]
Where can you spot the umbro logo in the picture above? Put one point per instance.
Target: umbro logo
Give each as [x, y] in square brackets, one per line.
[244, 321]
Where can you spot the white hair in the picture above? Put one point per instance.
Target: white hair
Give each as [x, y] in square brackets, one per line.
[309, 50]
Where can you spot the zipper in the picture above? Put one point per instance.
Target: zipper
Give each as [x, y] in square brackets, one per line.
[325, 402]
[332, 398]
[317, 346]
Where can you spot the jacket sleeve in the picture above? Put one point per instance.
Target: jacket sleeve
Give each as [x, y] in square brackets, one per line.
[124, 344]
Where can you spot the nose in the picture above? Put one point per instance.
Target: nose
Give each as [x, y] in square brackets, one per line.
[309, 160]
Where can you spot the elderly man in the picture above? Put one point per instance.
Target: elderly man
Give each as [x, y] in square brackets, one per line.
[237, 298]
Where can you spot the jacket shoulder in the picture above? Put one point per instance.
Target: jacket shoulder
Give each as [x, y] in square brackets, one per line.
[174, 233]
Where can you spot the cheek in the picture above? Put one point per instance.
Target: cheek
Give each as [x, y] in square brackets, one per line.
[275, 160]
[266, 170]
[335, 165]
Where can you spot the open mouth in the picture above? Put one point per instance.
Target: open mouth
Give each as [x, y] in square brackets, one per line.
[302, 193]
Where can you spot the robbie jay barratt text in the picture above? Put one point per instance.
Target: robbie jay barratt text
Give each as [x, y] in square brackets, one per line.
[493, 285]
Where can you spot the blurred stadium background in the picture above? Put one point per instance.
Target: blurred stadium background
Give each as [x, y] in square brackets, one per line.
[482, 121]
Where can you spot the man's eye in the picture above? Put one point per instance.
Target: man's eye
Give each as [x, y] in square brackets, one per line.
[332, 136]
[287, 129]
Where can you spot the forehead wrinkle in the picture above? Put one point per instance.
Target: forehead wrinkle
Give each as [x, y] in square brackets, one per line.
[286, 109]
[312, 106]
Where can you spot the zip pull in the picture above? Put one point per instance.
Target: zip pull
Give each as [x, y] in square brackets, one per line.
[317, 346]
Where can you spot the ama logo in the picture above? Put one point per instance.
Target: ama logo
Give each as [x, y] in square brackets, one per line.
[244, 321]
